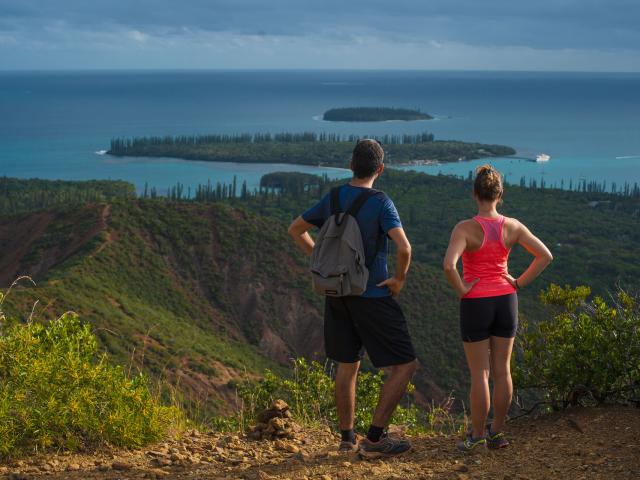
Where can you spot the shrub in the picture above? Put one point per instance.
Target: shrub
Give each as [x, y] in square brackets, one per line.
[587, 353]
[58, 391]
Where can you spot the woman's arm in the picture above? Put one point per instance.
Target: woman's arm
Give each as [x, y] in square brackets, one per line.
[542, 257]
[457, 245]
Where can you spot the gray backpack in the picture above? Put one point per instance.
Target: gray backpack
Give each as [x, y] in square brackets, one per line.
[338, 266]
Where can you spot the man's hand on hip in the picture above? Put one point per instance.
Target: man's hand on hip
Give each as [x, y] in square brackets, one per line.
[394, 284]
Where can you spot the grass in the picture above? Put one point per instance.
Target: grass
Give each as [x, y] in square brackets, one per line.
[309, 390]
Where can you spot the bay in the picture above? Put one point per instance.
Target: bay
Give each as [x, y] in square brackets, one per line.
[53, 123]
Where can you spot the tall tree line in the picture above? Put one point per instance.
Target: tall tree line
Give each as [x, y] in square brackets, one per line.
[122, 145]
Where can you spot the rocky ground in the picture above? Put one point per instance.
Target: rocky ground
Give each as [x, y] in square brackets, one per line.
[597, 443]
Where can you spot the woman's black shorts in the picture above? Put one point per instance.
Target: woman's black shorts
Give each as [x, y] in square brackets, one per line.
[481, 318]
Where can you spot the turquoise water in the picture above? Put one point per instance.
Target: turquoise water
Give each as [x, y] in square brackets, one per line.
[51, 124]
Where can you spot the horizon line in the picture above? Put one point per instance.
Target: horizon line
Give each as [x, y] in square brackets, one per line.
[306, 69]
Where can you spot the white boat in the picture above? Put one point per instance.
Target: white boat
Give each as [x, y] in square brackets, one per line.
[542, 157]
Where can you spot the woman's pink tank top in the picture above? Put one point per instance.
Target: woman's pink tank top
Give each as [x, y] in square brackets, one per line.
[489, 262]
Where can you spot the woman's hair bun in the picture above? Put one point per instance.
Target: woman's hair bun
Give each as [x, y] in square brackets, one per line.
[488, 183]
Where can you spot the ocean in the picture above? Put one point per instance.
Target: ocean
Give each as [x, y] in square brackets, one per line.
[54, 124]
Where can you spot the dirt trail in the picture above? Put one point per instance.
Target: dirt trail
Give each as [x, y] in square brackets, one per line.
[103, 226]
[598, 443]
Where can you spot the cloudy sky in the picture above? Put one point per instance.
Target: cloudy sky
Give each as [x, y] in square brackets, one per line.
[591, 35]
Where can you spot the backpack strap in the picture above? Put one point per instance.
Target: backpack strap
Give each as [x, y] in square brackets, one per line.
[335, 201]
[353, 211]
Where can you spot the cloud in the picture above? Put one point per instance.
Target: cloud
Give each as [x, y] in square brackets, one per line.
[589, 34]
[138, 36]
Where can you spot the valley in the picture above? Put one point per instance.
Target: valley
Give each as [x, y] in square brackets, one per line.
[206, 293]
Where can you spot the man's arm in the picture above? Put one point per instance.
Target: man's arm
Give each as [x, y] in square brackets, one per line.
[403, 260]
[299, 231]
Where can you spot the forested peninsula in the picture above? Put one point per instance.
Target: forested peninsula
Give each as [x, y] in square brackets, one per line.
[308, 148]
[373, 114]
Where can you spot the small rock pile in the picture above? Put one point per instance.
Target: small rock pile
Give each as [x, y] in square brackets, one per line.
[274, 423]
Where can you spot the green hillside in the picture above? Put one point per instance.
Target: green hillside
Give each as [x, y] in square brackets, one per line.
[594, 238]
[202, 292]
[17, 195]
[178, 290]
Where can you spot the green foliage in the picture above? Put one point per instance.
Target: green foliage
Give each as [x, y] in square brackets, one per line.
[567, 297]
[294, 183]
[18, 195]
[373, 114]
[588, 352]
[309, 391]
[58, 391]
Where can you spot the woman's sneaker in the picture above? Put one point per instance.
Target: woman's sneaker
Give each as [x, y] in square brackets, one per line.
[470, 444]
[385, 447]
[496, 440]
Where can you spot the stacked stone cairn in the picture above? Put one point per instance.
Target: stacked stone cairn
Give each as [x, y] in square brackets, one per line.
[274, 423]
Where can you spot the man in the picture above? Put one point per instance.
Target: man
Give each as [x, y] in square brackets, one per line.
[374, 320]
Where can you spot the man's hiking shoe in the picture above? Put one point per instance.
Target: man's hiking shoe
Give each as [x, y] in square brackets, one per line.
[385, 447]
[496, 440]
[471, 444]
[347, 447]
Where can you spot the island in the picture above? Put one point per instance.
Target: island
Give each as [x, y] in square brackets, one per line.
[373, 114]
[307, 148]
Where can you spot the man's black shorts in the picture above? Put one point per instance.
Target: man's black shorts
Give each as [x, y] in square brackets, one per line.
[377, 324]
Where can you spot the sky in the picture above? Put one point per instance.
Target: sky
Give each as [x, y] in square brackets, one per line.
[550, 35]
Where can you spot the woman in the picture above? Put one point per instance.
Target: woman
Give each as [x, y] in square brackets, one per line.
[489, 302]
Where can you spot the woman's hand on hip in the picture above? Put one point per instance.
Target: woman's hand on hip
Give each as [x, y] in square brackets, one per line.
[466, 287]
[512, 281]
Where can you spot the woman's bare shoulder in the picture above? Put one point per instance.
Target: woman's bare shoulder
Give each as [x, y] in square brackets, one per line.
[467, 229]
[465, 225]
[513, 229]
[512, 223]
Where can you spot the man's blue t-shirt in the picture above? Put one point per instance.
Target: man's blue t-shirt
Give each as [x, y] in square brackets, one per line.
[377, 216]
